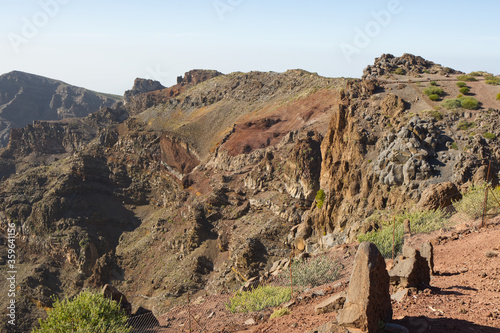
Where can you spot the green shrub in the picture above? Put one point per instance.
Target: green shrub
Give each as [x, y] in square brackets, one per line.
[314, 271]
[434, 97]
[454, 145]
[498, 97]
[467, 78]
[461, 84]
[320, 198]
[476, 73]
[88, 312]
[400, 71]
[451, 104]
[472, 202]
[492, 80]
[433, 83]
[465, 125]
[420, 221]
[434, 91]
[460, 96]
[435, 114]
[260, 298]
[280, 313]
[464, 90]
[489, 136]
[469, 103]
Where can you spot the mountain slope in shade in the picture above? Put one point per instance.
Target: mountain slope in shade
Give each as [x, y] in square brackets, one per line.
[26, 97]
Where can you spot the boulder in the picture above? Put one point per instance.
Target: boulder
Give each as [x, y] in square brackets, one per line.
[368, 299]
[439, 196]
[427, 251]
[411, 271]
[334, 303]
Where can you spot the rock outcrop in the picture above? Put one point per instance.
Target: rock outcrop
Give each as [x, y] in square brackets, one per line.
[368, 300]
[411, 271]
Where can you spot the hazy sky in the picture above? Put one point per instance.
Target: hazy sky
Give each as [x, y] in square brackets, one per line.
[104, 45]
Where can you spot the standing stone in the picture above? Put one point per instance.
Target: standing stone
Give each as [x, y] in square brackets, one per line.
[427, 251]
[412, 271]
[368, 300]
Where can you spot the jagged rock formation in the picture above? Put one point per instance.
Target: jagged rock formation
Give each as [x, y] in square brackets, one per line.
[408, 65]
[25, 98]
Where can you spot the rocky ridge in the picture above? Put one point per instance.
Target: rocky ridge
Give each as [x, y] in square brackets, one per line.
[212, 185]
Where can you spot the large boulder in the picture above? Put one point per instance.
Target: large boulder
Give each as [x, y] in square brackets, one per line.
[412, 271]
[368, 300]
[439, 196]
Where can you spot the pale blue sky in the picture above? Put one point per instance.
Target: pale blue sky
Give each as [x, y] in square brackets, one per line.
[104, 45]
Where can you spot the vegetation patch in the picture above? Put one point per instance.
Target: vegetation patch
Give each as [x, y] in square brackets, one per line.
[467, 78]
[434, 91]
[314, 271]
[451, 104]
[464, 125]
[498, 97]
[489, 136]
[433, 83]
[461, 84]
[320, 198]
[435, 114]
[88, 312]
[434, 97]
[399, 71]
[464, 90]
[258, 299]
[492, 80]
[420, 221]
[280, 313]
[472, 202]
[469, 103]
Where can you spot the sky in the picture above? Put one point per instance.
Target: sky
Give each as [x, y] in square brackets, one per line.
[104, 45]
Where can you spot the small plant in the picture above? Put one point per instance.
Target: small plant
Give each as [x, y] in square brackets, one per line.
[434, 97]
[461, 84]
[466, 78]
[436, 115]
[454, 145]
[464, 90]
[476, 73]
[489, 136]
[498, 97]
[472, 202]
[469, 103]
[399, 71]
[320, 198]
[434, 91]
[88, 312]
[451, 104]
[460, 96]
[492, 80]
[315, 271]
[464, 125]
[260, 298]
[433, 83]
[280, 313]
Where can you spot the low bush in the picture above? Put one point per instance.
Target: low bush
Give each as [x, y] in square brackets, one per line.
[469, 103]
[320, 198]
[464, 125]
[88, 312]
[400, 71]
[467, 78]
[472, 202]
[433, 83]
[434, 97]
[476, 73]
[489, 136]
[461, 84]
[314, 271]
[435, 114]
[260, 298]
[498, 97]
[451, 104]
[454, 145]
[492, 80]
[280, 313]
[464, 90]
[434, 91]
[420, 221]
